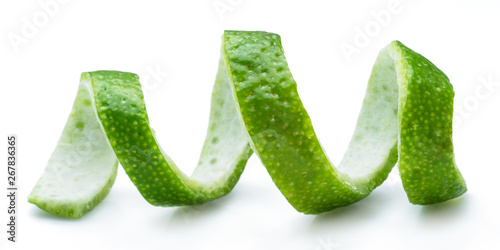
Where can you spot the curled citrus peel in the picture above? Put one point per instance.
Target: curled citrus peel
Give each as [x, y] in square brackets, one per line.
[407, 112]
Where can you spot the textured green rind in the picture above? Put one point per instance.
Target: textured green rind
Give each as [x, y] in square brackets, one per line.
[407, 111]
[120, 106]
[279, 126]
[427, 162]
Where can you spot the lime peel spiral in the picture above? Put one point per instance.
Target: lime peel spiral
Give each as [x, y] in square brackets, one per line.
[406, 115]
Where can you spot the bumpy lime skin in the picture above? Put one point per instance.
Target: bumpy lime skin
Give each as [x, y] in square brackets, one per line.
[427, 161]
[279, 126]
[120, 106]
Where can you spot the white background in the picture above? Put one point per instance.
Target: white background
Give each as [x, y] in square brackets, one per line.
[174, 47]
